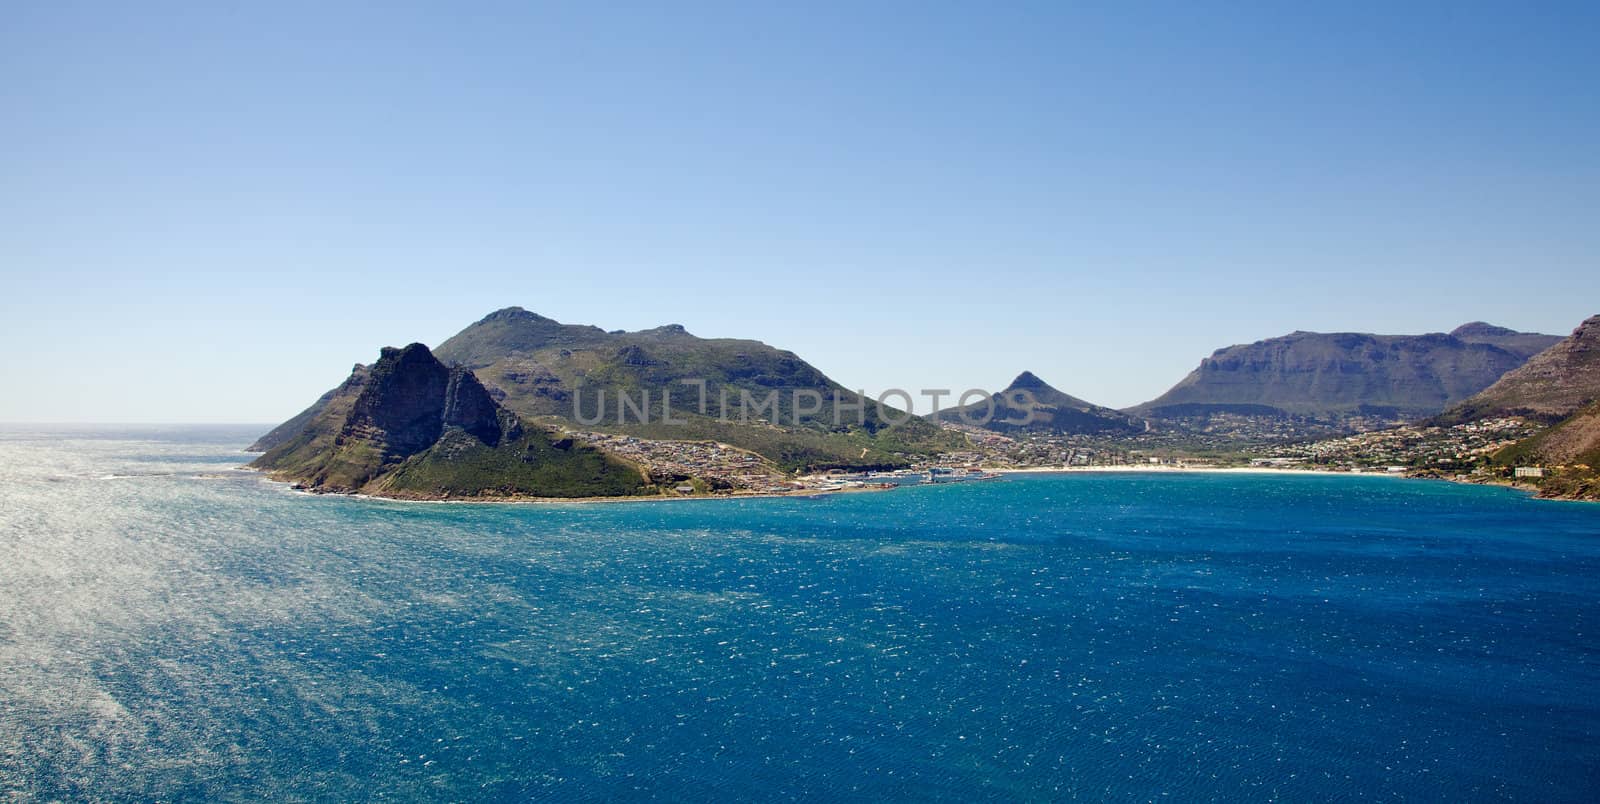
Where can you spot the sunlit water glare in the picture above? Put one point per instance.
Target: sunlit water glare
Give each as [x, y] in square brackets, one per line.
[172, 628]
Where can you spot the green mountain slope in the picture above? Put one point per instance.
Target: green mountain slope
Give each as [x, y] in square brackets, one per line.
[411, 427]
[1569, 452]
[542, 369]
[1575, 440]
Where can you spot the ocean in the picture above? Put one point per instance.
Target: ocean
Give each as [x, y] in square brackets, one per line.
[172, 628]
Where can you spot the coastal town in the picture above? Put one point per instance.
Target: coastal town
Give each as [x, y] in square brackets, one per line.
[1459, 452]
[691, 467]
[697, 468]
[1411, 448]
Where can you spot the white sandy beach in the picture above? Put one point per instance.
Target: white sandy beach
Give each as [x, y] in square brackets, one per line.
[1164, 468]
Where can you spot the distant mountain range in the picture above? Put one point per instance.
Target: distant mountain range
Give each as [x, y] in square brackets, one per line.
[502, 407]
[1339, 377]
[1029, 404]
[553, 373]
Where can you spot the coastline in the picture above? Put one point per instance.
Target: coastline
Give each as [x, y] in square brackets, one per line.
[267, 477]
[1531, 491]
[1162, 469]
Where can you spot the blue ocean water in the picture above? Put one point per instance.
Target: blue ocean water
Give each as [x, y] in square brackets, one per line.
[173, 629]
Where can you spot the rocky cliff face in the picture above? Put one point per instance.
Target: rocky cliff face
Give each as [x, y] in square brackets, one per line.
[410, 398]
[468, 405]
[402, 405]
[1335, 376]
[410, 427]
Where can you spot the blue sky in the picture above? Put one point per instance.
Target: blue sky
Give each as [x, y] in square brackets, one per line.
[212, 211]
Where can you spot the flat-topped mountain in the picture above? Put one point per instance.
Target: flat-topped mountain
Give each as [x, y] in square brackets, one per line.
[1051, 411]
[411, 427]
[1552, 385]
[739, 392]
[1337, 377]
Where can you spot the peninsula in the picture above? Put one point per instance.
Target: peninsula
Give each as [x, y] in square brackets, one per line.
[501, 411]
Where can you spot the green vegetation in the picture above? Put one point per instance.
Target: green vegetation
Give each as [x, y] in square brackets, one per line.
[410, 427]
[1569, 453]
[460, 465]
[479, 420]
[553, 372]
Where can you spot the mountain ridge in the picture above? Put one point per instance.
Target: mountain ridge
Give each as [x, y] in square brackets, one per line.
[416, 420]
[1550, 386]
[735, 391]
[1344, 375]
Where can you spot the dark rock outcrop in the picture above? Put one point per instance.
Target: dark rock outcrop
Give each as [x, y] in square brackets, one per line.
[402, 405]
[468, 405]
[412, 428]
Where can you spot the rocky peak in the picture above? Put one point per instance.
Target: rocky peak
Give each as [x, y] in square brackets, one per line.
[401, 403]
[1587, 333]
[513, 330]
[1580, 346]
[411, 397]
[668, 330]
[469, 406]
[1051, 410]
[1480, 329]
[1027, 380]
[514, 314]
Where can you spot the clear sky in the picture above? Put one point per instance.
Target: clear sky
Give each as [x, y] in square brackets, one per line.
[209, 211]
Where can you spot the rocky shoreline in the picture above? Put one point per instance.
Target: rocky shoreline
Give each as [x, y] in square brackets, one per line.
[517, 499]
